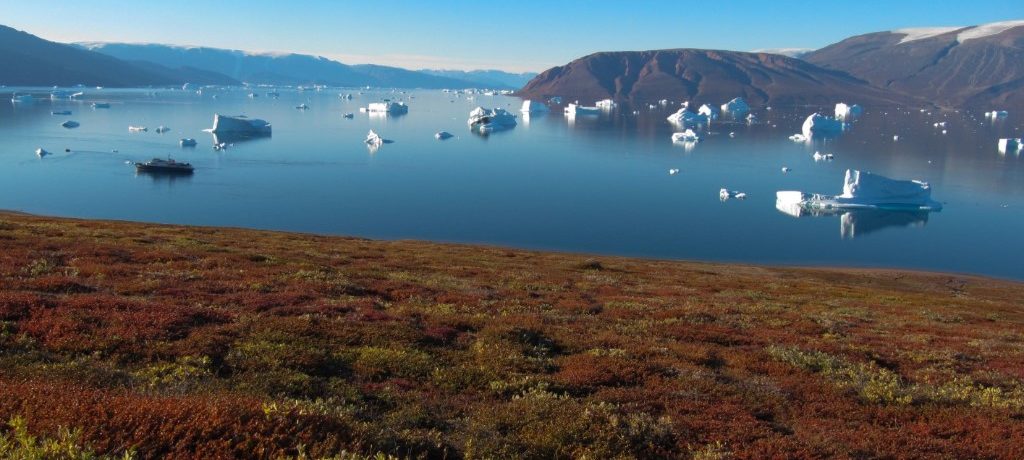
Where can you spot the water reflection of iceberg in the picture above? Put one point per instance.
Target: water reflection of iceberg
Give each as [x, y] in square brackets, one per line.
[854, 223]
[236, 138]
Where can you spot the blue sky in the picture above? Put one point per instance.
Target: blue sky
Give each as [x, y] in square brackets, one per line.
[517, 36]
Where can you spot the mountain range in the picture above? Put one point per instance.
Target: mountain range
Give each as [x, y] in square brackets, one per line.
[977, 66]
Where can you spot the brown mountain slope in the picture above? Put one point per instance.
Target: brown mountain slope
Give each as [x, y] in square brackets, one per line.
[966, 67]
[703, 75]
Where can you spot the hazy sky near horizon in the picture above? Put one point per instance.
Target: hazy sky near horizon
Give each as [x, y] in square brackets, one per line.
[527, 35]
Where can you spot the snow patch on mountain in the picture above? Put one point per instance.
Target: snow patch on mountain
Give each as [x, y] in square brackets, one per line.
[987, 30]
[921, 33]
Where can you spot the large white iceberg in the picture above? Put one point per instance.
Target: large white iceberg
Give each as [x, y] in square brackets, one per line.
[393, 108]
[239, 125]
[866, 190]
[736, 107]
[485, 120]
[685, 118]
[533, 107]
[605, 104]
[848, 112]
[817, 125]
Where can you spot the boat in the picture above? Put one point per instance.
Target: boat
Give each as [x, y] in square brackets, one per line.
[187, 142]
[70, 124]
[167, 166]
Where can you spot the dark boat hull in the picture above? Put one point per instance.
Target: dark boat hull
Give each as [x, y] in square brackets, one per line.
[162, 169]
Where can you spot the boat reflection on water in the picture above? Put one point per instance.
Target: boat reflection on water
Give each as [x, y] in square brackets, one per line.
[855, 223]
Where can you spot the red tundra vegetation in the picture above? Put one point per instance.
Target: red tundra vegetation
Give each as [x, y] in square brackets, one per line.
[161, 341]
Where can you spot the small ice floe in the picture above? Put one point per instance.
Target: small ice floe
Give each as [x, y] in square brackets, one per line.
[487, 120]
[736, 107]
[732, 134]
[673, 171]
[798, 138]
[865, 190]
[1010, 145]
[685, 136]
[818, 156]
[940, 124]
[41, 153]
[137, 129]
[751, 119]
[302, 106]
[70, 124]
[896, 138]
[443, 135]
[605, 104]
[220, 146]
[253, 95]
[663, 102]
[997, 114]
[817, 125]
[101, 105]
[533, 107]
[943, 131]
[685, 118]
[61, 112]
[725, 194]
[786, 169]
[129, 162]
[187, 142]
[573, 110]
[348, 115]
[162, 129]
[555, 100]
[848, 112]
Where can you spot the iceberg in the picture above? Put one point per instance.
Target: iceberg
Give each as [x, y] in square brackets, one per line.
[162, 129]
[70, 124]
[818, 125]
[41, 153]
[798, 138]
[848, 112]
[533, 107]
[605, 104]
[725, 194]
[187, 142]
[485, 120]
[685, 136]
[573, 110]
[997, 114]
[239, 126]
[707, 111]
[818, 156]
[373, 139]
[685, 118]
[737, 107]
[388, 107]
[137, 129]
[1010, 145]
[443, 135]
[865, 190]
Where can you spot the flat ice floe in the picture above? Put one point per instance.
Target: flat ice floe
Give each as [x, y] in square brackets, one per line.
[865, 190]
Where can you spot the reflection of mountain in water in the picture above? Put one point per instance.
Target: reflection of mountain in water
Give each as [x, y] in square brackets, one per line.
[854, 223]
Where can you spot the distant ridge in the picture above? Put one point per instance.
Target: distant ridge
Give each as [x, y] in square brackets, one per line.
[27, 60]
[704, 75]
[283, 68]
[977, 66]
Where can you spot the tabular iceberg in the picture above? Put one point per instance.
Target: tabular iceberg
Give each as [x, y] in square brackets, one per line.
[848, 112]
[866, 190]
[533, 107]
[485, 120]
[817, 125]
[393, 108]
[239, 125]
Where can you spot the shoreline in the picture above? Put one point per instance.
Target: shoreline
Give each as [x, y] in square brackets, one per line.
[567, 253]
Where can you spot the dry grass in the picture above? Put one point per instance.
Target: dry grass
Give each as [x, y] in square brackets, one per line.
[181, 342]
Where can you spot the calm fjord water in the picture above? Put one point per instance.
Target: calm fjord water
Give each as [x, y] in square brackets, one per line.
[595, 185]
